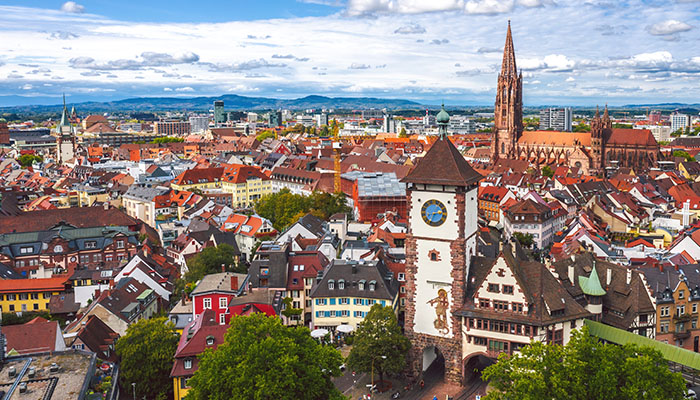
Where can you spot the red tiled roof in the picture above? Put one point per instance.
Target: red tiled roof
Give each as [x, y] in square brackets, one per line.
[36, 336]
[81, 217]
[238, 173]
[32, 285]
[639, 137]
[199, 175]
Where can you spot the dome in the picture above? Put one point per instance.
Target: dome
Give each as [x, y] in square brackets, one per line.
[3, 120]
[443, 117]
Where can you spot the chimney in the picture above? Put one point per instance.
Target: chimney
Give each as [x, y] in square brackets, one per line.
[571, 274]
[234, 283]
[106, 206]
[629, 276]
[223, 267]
[184, 301]
[608, 277]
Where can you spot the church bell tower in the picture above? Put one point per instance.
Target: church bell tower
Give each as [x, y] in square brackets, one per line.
[441, 241]
[508, 110]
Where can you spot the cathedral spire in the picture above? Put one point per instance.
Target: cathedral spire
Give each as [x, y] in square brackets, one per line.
[605, 113]
[597, 112]
[508, 67]
[64, 115]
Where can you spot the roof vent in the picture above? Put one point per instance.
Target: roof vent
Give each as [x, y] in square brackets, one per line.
[53, 367]
[12, 372]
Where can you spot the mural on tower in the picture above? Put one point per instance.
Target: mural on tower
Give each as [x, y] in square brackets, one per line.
[441, 304]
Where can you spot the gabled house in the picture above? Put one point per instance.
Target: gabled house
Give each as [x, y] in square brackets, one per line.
[215, 291]
[97, 337]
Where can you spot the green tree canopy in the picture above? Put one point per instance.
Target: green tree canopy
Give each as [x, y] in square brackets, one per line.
[209, 261]
[684, 154]
[547, 171]
[379, 341]
[581, 127]
[146, 353]
[525, 239]
[262, 359]
[167, 139]
[583, 369]
[265, 135]
[26, 160]
[403, 133]
[284, 208]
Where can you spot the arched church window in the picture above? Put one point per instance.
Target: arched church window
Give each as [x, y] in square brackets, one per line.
[433, 256]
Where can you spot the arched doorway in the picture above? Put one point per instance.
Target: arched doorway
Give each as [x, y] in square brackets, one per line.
[473, 366]
[433, 367]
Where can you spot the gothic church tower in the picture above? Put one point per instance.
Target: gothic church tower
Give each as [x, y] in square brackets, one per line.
[508, 111]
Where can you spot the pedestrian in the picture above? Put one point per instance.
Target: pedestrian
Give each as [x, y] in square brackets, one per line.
[435, 397]
[422, 384]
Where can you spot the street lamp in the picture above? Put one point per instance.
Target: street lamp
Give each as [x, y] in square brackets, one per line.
[133, 385]
[372, 387]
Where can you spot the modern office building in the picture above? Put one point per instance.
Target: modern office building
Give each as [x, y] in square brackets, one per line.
[274, 118]
[199, 124]
[219, 114]
[321, 119]
[679, 121]
[557, 119]
[168, 128]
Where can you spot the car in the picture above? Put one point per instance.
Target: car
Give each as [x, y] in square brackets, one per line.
[690, 394]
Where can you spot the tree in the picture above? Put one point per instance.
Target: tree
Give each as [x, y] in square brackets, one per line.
[583, 369]
[525, 239]
[547, 171]
[26, 160]
[379, 343]
[168, 139]
[287, 310]
[324, 131]
[146, 353]
[684, 154]
[265, 135]
[581, 127]
[209, 261]
[403, 134]
[262, 359]
[284, 208]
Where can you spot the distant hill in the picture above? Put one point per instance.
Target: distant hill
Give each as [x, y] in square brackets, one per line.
[231, 102]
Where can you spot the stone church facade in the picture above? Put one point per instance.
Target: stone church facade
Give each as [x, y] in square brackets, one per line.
[592, 152]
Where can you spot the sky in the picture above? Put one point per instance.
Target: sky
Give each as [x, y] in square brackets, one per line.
[571, 52]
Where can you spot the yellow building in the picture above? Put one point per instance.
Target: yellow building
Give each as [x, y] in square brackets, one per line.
[88, 196]
[246, 184]
[29, 294]
[349, 289]
[198, 178]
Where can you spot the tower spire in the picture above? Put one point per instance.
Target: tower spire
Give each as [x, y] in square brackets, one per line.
[64, 114]
[508, 67]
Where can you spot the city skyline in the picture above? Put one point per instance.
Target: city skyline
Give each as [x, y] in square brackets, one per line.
[633, 52]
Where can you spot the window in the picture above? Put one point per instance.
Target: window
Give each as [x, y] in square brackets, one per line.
[681, 294]
[401, 277]
[25, 250]
[500, 305]
[361, 285]
[484, 303]
[188, 364]
[663, 327]
[58, 248]
[403, 289]
[341, 284]
[207, 304]
[680, 310]
[11, 297]
[507, 289]
[518, 307]
[120, 244]
[433, 256]
[695, 308]
[643, 318]
[332, 301]
[91, 244]
[665, 311]
[331, 284]
[222, 302]
[494, 288]
[35, 296]
[36, 307]
[372, 285]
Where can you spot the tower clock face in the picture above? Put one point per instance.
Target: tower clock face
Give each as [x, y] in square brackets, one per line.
[434, 213]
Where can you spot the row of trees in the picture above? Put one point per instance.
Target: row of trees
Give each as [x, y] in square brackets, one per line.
[262, 359]
[284, 208]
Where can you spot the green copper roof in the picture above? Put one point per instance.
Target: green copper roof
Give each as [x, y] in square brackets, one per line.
[3, 120]
[591, 285]
[443, 117]
[621, 337]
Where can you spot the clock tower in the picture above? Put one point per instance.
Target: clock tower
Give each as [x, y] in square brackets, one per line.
[441, 241]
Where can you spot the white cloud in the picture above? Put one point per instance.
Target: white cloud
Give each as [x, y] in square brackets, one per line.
[410, 29]
[360, 7]
[489, 6]
[72, 7]
[27, 86]
[570, 79]
[184, 89]
[668, 27]
[167, 89]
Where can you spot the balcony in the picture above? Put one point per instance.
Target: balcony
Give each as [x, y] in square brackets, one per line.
[681, 335]
[493, 353]
[682, 318]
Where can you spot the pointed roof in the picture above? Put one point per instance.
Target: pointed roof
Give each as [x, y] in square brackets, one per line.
[508, 67]
[64, 115]
[443, 165]
[591, 285]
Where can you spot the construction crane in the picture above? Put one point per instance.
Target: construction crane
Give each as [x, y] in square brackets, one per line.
[336, 157]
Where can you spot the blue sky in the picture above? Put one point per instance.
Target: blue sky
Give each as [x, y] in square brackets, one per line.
[571, 52]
